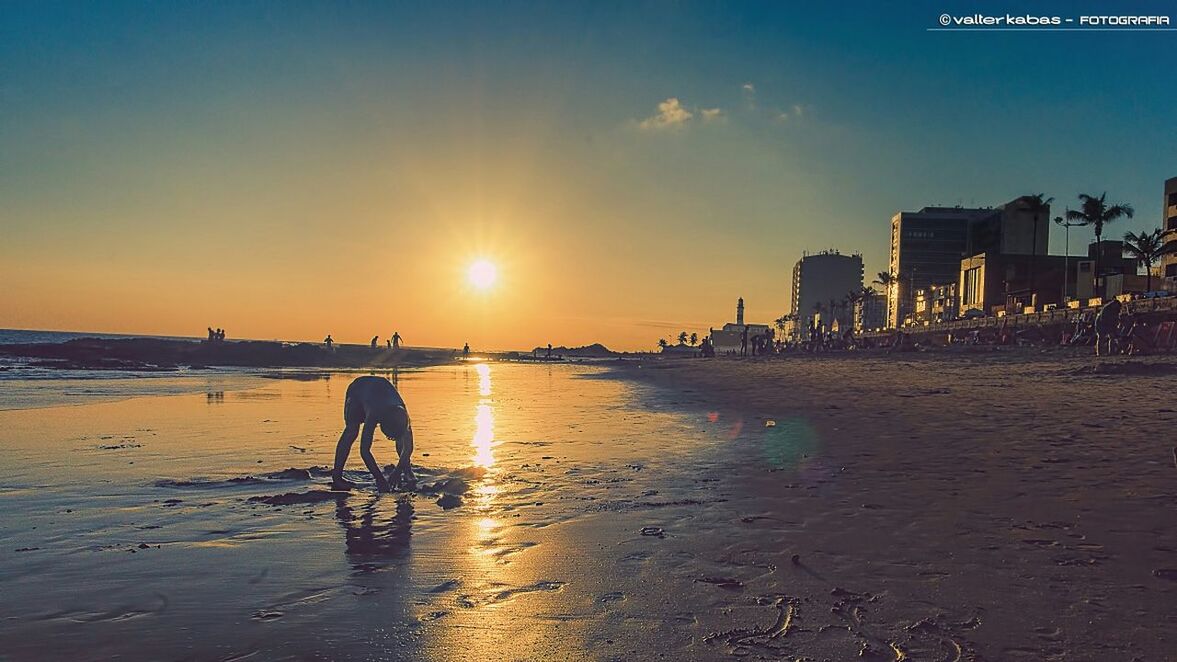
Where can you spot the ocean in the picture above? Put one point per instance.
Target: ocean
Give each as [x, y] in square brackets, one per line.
[23, 336]
[26, 385]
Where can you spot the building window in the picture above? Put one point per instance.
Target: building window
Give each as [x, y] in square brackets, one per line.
[972, 286]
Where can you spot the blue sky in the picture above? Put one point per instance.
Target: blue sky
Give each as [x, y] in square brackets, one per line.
[239, 134]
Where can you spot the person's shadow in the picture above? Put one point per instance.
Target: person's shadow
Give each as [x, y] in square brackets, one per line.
[375, 533]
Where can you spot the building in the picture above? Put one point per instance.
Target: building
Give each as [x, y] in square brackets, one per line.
[820, 283]
[943, 302]
[927, 246]
[993, 282]
[1113, 263]
[1169, 260]
[727, 340]
[870, 313]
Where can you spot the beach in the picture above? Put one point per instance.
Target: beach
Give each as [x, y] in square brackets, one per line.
[934, 506]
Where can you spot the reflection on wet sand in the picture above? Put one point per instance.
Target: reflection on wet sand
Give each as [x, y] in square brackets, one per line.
[484, 424]
[375, 534]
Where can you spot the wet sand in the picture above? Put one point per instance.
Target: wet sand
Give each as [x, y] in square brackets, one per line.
[892, 509]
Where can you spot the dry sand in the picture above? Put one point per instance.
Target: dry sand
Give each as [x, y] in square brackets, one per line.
[991, 506]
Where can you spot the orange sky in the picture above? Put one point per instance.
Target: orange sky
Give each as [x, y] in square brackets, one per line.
[289, 170]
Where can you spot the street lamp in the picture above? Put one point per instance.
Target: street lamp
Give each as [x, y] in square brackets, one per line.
[1061, 220]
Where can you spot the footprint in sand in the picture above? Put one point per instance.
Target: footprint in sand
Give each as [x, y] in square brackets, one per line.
[491, 596]
[446, 586]
[1165, 573]
[610, 598]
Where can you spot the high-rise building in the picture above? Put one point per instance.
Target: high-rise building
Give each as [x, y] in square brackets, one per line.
[820, 283]
[927, 246]
[1169, 260]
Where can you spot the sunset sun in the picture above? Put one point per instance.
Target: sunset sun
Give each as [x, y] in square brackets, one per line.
[482, 275]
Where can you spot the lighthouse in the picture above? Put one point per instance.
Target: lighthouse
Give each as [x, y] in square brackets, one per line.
[740, 312]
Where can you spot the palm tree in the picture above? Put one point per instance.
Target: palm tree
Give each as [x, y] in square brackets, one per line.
[1147, 247]
[662, 343]
[694, 339]
[682, 338]
[1037, 205]
[1096, 212]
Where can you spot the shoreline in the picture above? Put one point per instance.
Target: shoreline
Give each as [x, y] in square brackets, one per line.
[168, 355]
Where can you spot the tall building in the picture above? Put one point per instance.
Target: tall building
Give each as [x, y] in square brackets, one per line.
[1169, 260]
[821, 282]
[927, 246]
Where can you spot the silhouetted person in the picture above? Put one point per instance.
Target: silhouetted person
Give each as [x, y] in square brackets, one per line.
[466, 351]
[388, 343]
[744, 341]
[549, 355]
[374, 339]
[1106, 324]
[372, 401]
[707, 348]
[212, 335]
[396, 340]
[329, 342]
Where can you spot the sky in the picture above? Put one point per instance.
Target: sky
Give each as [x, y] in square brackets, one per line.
[293, 169]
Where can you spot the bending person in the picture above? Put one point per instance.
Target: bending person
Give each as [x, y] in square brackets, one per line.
[373, 401]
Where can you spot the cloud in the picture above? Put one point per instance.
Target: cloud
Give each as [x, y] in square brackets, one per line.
[670, 114]
[796, 112]
[749, 92]
[709, 114]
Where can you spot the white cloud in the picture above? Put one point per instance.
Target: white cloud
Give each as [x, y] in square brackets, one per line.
[670, 114]
[798, 110]
[749, 93]
[709, 114]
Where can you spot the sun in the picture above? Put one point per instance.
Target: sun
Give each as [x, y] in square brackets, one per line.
[482, 274]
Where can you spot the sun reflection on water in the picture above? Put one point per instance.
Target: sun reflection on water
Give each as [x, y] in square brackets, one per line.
[483, 379]
[484, 421]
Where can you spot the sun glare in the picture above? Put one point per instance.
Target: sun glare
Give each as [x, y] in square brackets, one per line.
[482, 274]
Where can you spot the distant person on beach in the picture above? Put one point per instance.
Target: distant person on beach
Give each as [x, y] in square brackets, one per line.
[329, 342]
[707, 349]
[549, 354]
[396, 340]
[388, 343]
[466, 351]
[372, 401]
[212, 335]
[744, 341]
[1107, 323]
[374, 340]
